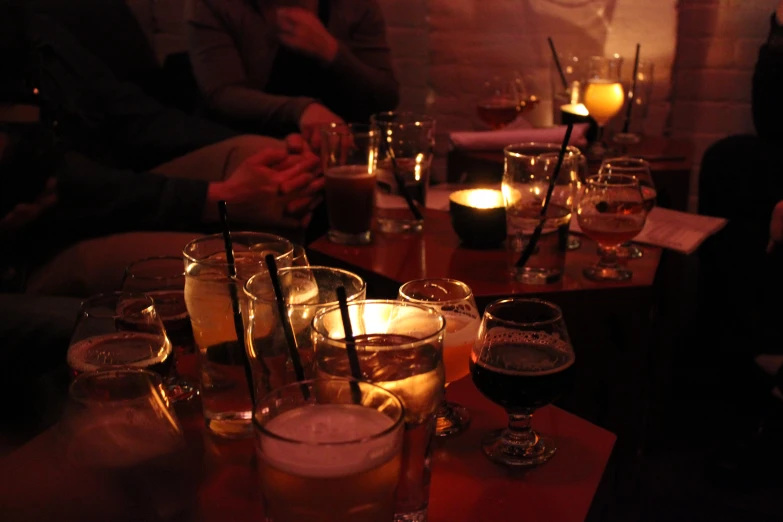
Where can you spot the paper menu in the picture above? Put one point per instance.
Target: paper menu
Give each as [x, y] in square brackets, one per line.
[674, 230]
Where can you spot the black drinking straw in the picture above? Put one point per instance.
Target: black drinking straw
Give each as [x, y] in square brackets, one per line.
[557, 63]
[531, 244]
[293, 349]
[350, 345]
[401, 186]
[632, 97]
[239, 326]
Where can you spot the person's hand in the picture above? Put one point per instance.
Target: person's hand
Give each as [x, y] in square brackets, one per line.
[313, 119]
[302, 31]
[776, 226]
[25, 213]
[270, 189]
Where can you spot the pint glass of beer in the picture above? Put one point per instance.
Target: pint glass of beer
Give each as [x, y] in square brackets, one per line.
[324, 455]
[522, 360]
[305, 290]
[400, 348]
[349, 153]
[209, 296]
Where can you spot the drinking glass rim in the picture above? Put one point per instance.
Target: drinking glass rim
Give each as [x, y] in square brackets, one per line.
[457, 282]
[552, 306]
[350, 129]
[130, 274]
[287, 269]
[633, 162]
[416, 119]
[79, 381]
[394, 302]
[219, 237]
[630, 181]
[551, 148]
[94, 299]
[310, 382]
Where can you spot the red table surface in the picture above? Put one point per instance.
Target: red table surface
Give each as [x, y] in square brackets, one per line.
[465, 485]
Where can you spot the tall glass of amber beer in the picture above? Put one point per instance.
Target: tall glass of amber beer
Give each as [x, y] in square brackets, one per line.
[329, 450]
[399, 347]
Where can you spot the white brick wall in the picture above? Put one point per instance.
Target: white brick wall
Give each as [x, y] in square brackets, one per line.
[445, 48]
[717, 45]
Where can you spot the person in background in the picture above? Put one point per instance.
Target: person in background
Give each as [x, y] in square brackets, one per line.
[741, 279]
[272, 67]
[94, 174]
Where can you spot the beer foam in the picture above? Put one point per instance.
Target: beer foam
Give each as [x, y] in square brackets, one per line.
[316, 435]
[545, 354]
[127, 350]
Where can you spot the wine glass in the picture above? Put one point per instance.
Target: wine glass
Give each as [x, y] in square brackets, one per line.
[454, 301]
[503, 99]
[603, 97]
[610, 211]
[639, 169]
[522, 360]
[119, 428]
[119, 330]
[163, 279]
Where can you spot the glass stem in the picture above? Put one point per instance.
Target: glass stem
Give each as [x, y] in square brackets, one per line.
[520, 431]
[608, 256]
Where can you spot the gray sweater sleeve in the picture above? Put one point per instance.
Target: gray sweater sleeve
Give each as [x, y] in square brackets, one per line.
[221, 76]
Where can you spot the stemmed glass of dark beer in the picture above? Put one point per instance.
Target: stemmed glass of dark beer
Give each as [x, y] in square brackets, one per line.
[522, 360]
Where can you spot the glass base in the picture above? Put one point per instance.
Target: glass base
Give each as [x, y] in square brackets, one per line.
[536, 276]
[626, 251]
[179, 390]
[607, 273]
[574, 243]
[230, 425]
[400, 226]
[452, 419]
[626, 138]
[502, 450]
[413, 516]
[342, 238]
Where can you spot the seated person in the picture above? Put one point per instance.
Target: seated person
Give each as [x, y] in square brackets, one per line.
[271, 69]
[95, 175]
[741, 280]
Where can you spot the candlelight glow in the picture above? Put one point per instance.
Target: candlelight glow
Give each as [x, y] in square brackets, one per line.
[575, 108]
[478, 198]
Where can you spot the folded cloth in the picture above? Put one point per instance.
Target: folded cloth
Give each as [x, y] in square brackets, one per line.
[497, 139]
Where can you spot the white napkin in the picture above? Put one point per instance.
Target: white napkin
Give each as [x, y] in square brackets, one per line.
[497, 139]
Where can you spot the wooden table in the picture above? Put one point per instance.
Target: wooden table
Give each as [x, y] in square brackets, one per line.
[393, 259]
[36, 484]
[609, 322]
[671, 161]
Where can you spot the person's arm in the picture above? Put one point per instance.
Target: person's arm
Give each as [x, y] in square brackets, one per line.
[361, 74]
[221, 76]
[768, 82]
[136, 128]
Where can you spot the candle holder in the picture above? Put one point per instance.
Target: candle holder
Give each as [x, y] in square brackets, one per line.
[478, 217]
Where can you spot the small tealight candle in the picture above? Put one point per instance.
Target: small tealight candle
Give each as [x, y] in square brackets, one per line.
[478, 217]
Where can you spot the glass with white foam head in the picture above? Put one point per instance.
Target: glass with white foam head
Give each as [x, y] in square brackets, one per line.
[211, 295]
[329, 450]
[305, 291]
[454, 300]
[522, 361]
[400, 347]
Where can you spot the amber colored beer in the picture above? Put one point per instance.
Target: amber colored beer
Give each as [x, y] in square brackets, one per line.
[416, 375]
[322, 475]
